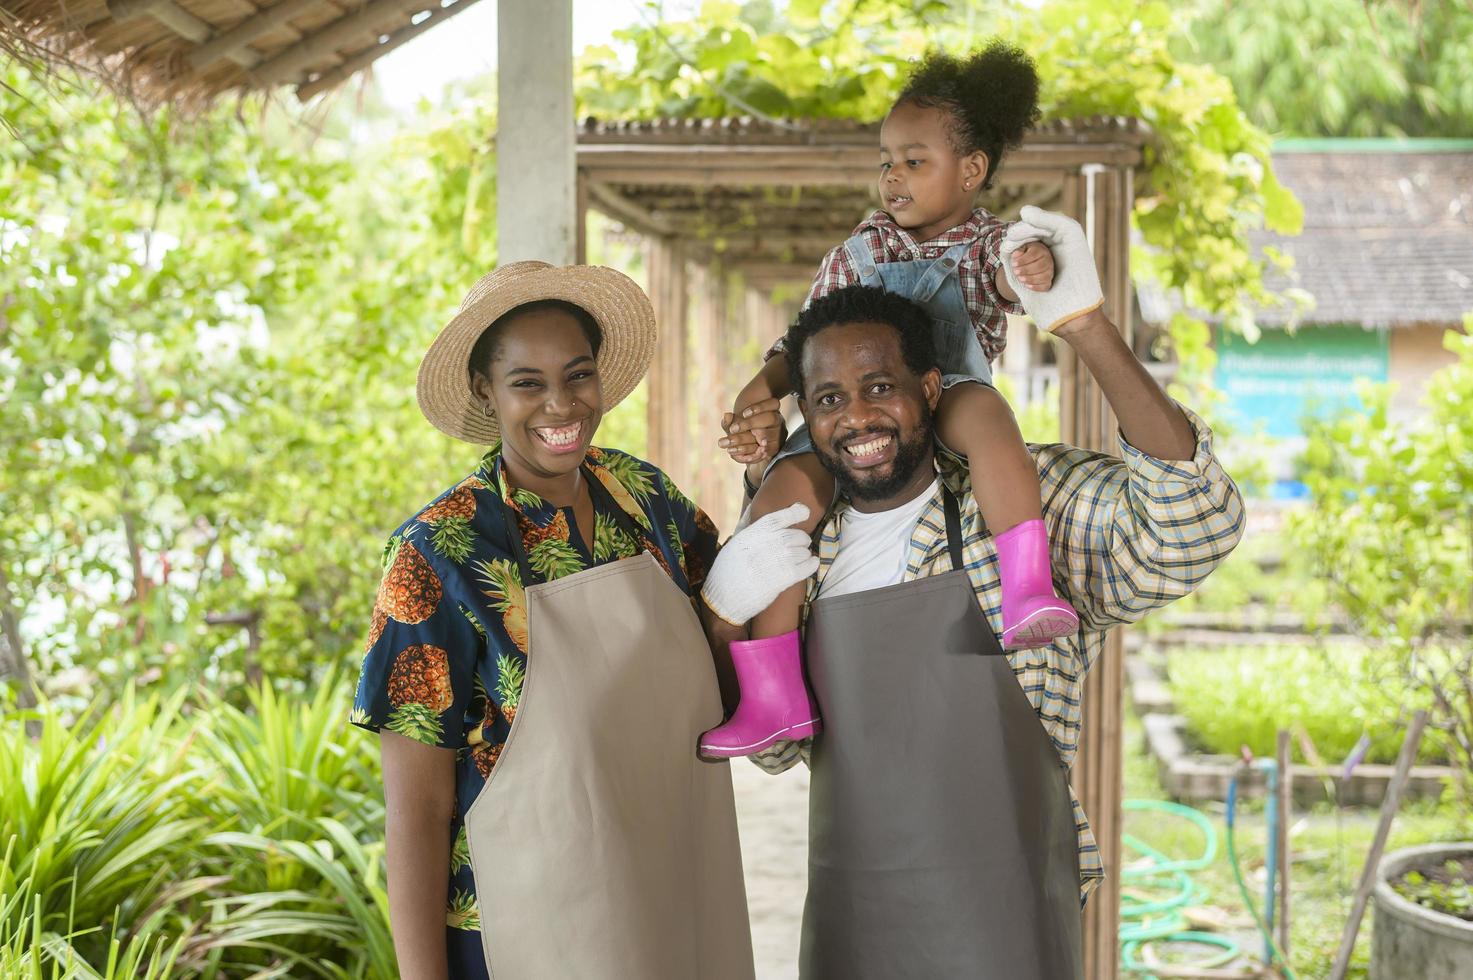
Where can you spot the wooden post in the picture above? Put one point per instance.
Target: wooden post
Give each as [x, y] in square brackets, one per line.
[1389, 806]
[1100, 198]
[667, 409]
[580, 218]
[536, 177]
[717, 486]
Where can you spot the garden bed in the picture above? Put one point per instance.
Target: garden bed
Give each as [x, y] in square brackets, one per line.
[1229, 700]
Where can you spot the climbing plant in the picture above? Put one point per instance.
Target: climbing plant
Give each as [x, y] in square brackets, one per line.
[1207, 179]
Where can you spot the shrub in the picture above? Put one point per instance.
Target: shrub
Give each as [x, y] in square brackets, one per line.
[155, 839]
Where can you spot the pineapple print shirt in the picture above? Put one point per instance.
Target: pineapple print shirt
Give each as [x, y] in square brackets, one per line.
[447, 648]
[1127, 535]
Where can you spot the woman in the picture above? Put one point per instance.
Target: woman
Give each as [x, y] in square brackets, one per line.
[537, 672]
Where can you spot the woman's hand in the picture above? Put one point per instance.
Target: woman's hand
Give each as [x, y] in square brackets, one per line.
[754, 428]
[759, 563]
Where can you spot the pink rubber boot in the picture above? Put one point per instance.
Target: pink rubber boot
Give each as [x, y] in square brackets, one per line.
[775, 705]
[1033, 615]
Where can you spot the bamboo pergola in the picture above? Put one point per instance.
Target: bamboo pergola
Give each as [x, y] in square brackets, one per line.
[196, 50]
[732, 210]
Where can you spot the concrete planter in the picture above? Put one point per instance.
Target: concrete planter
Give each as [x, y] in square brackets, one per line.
[1410, 942]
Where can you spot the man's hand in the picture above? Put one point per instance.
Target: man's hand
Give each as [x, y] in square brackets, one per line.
[759, 563]
[1076, 286]
[1033, 265]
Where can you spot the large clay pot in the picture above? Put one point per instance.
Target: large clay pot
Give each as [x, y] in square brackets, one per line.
[1410, 941]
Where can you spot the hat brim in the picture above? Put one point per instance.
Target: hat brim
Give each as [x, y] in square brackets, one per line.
[622, 310]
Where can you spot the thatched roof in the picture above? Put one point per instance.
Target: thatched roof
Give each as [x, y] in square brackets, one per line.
[198, 49]
[1388, 233]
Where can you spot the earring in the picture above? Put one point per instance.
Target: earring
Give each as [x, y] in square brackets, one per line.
[968, 185]
[486, 409]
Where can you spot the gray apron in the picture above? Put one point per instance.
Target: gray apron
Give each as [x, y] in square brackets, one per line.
[602, 847]
[941, 834]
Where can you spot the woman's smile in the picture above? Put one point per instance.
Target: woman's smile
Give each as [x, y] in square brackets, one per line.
[564, 438]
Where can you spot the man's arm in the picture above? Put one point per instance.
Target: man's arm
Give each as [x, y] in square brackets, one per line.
[1149, 421]
[1130, 535]
[1133, 534]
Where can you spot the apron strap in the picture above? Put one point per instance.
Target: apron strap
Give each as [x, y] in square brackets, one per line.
[620, 516]
[600, 495]
[953, 528]
[513, 520]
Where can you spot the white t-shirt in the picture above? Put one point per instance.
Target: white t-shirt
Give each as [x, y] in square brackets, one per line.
[873, 547]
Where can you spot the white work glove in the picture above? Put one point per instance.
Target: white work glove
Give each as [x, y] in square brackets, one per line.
[1076, 288]
[759, 563]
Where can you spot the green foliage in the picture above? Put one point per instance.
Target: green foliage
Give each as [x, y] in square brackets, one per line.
[207, 353]
[1366, 68]
[1207, 177]
[1390, 533]
[192, 842]
[1449, 889]
[1244, 695]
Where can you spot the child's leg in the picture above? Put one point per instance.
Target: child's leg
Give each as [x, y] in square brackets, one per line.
[975, 419]
[776, 703]
[802, 479]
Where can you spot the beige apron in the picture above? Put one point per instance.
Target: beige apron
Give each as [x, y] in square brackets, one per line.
[602, 848]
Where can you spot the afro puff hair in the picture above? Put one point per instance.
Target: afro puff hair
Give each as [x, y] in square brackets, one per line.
[991, 95]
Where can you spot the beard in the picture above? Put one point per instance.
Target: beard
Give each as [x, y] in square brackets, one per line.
[910, 455]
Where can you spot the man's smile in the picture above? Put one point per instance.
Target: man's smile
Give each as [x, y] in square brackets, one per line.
[869, 449]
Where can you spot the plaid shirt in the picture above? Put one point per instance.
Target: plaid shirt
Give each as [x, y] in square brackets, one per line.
[888, 242]
[1128, 535]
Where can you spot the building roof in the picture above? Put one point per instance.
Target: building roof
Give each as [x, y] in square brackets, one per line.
[1387, 239]
[198, 49]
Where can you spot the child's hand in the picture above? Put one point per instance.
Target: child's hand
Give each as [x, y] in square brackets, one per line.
[753, 430]
[1033, 265]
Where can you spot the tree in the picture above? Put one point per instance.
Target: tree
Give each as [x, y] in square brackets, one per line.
[206, 366]
[1363, 68]
[1390, 537]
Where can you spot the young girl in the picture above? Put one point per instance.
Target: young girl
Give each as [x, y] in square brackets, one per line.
[940, 147]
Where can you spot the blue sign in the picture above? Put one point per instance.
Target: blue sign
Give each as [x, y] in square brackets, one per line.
[1285, 378]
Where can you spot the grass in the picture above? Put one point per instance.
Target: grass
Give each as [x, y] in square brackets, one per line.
[1330, 849]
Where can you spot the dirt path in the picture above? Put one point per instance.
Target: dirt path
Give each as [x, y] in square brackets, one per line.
[772, 812]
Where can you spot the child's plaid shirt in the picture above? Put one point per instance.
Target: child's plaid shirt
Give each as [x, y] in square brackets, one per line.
[888, 242]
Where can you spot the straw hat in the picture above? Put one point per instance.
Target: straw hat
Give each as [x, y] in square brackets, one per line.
[615, 302]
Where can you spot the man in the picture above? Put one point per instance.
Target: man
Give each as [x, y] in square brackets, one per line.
[945, 841]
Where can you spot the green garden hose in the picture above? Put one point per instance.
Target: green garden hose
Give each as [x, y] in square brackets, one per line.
[1232, 853]
[1168, 891]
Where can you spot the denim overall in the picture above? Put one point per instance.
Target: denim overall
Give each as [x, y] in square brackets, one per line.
[935, 285]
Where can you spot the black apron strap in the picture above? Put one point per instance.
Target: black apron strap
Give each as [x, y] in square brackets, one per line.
[953, 528]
